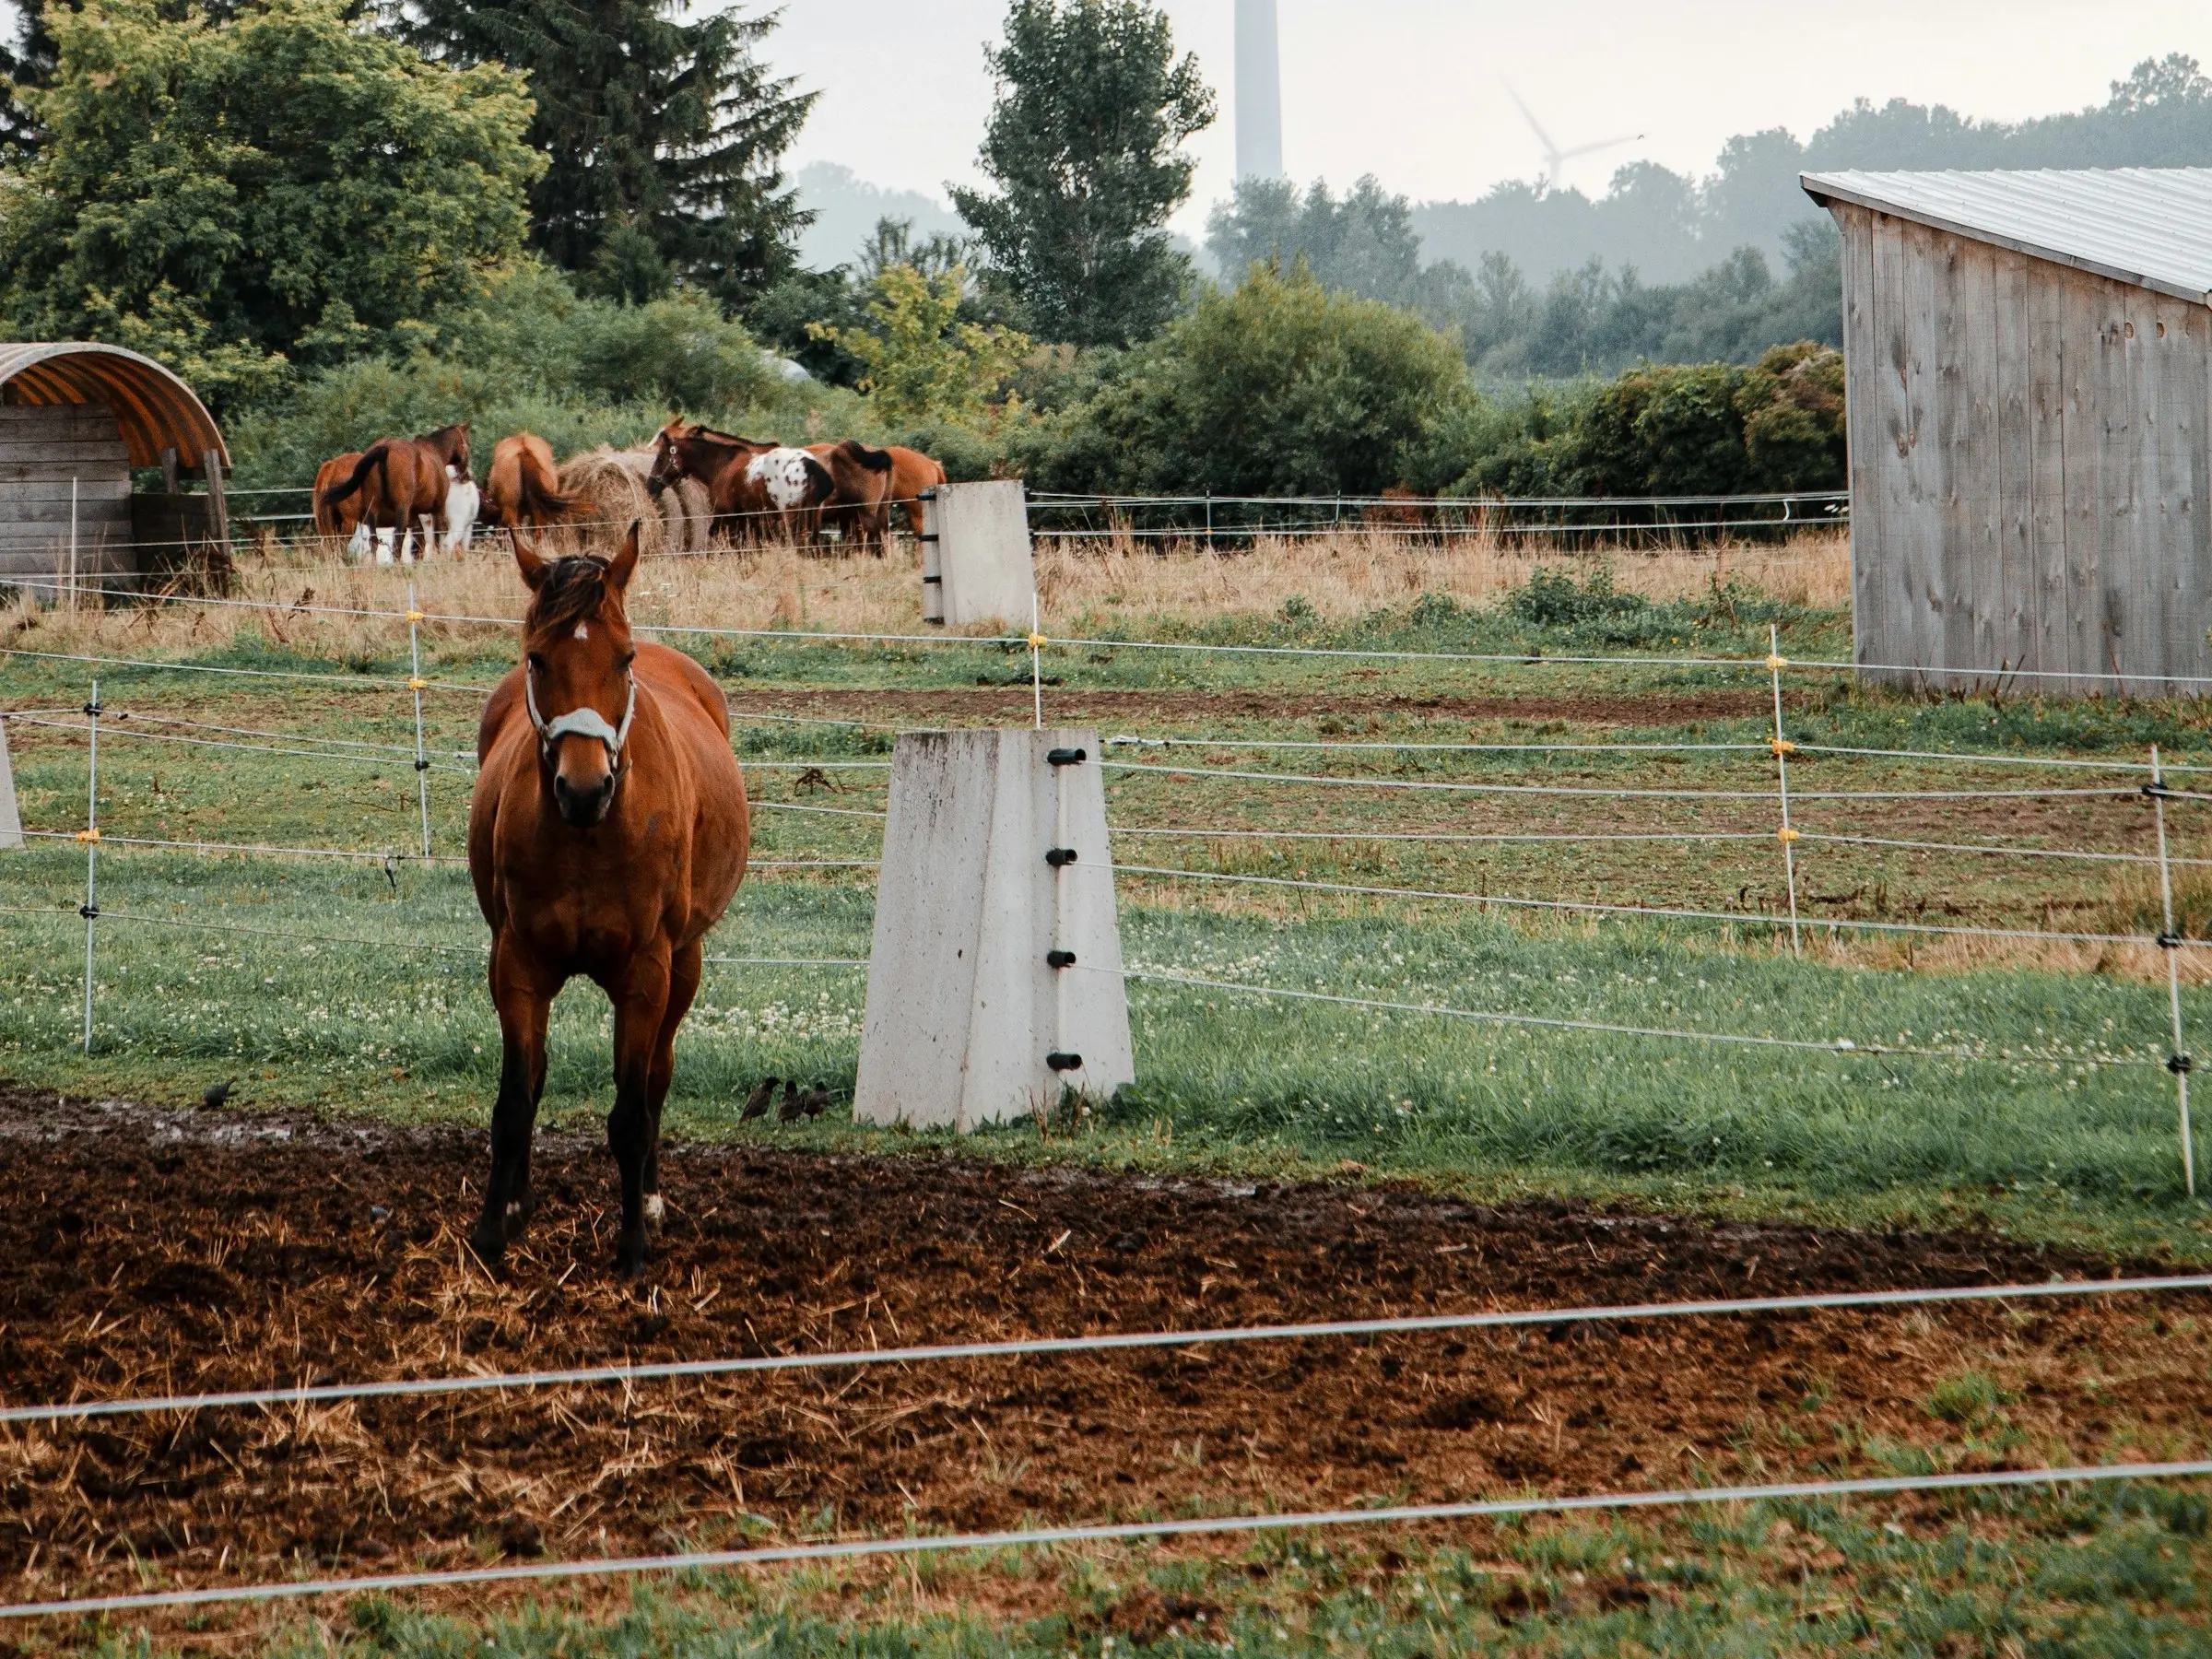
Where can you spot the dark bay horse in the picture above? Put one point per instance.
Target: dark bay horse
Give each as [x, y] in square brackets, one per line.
[607, 833]
[719, 461]
[402, 482]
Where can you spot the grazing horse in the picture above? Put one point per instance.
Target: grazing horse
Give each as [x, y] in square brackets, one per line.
[522, 487]
[607, 833]
[402, 481]
[912, 473]
[793, 487]
[342, 518]
[858, 504]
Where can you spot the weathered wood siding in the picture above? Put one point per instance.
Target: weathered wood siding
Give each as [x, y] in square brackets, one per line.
[2028, 461]
[42, 449]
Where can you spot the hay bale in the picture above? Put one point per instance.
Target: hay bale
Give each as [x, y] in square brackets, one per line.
[611, 487]
[690, 511]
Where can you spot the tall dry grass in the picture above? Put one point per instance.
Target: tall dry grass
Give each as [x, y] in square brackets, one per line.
[297, 595]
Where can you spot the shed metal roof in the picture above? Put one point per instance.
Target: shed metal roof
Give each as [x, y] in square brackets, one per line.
[2147, 226]
[154, 409]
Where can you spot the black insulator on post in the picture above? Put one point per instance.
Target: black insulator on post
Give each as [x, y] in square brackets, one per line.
[1059, 958]
[2171, 941]
[2180, 1066]
[1067, 756]
[1065, 1063]
[1060, 857]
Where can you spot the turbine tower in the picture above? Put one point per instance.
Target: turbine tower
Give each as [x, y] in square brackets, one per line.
[1259, 92]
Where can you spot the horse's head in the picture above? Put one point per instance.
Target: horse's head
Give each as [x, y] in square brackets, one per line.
[668, 457]
[577, 654]
[451, 443]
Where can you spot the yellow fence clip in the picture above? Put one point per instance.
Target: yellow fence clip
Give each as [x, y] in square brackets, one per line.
[1781, 745]
[1776, 663]
[415, 615]
[1786, 836]
[1038, 641]
[418, 685]
[87, 835]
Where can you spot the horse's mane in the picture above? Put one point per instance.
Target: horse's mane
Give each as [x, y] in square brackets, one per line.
[573, 590]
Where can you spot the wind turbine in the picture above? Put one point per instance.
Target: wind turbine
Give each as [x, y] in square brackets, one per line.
[1556, 158]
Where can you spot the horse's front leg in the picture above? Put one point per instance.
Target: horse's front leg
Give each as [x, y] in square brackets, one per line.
[641, 999]
[682, 985]
[523, 994]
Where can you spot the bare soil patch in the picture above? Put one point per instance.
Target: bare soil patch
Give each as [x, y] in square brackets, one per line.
[157, 1250]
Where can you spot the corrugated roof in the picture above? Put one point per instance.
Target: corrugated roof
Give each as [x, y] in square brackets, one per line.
[154, 409]
[2148, 226]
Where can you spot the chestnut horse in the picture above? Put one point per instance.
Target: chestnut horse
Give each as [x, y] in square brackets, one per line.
[338, 519]
[402, 481]
[607, 833]
[861, 491]
[912, 473]
[521, 487]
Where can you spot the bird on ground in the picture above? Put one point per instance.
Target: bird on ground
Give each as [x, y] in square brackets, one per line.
[789, 1111]
[815, 1102]
[217, 1093]
[756, 1102]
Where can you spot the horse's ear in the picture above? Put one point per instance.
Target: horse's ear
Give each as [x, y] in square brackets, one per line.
[620, 568]
[526, 556]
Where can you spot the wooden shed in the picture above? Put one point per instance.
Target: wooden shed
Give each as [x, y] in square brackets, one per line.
[2029, 357]
[76, 419]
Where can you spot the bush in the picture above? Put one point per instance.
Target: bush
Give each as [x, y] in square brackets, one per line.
[1279, 388]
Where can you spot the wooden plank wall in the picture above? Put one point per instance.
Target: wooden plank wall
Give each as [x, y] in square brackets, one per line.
[42, 451]
[2029, 464]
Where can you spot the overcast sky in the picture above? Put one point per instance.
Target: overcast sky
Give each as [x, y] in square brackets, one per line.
[1411, 89]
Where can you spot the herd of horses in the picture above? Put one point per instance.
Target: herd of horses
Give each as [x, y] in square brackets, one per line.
[401, 493]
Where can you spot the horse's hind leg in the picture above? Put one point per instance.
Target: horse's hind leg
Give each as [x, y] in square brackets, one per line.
[682, 985]
[524, 1000]
[640, 1000]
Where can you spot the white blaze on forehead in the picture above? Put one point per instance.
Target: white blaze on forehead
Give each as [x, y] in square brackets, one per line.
[582, 631]
[782, 474]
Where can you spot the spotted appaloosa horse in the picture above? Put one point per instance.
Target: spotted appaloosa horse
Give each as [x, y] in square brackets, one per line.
[608, 833]
[402, 482]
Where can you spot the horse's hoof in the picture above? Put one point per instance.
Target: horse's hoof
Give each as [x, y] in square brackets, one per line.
[489, 1240]
[657, 1209]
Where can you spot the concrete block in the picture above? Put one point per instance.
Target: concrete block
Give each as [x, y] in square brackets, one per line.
[965, 1010]
[11, 817]
[978, 568]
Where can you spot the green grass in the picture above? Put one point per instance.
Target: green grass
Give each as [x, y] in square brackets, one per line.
[2107, 1574]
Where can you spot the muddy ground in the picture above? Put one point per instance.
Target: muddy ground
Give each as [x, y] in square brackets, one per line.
[148, 1250]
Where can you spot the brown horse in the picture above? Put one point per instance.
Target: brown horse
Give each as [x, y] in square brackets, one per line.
[402, 481]
[720, 461]
[339, 519]
[607, 833]
[912, 473]
[859, 501]
[522, 487]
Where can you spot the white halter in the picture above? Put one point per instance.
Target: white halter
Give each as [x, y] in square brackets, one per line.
[581, 722]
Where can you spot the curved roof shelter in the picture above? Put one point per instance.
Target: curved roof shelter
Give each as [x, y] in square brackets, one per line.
[154, 409]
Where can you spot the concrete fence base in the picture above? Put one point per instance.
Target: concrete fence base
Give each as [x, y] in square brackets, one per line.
[995, 980]
[976, 559]
[11, 817]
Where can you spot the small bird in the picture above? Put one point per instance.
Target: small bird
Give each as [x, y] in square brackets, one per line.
[217, 1093]
[815, 1102]
[756, 1102]
[789, 1112]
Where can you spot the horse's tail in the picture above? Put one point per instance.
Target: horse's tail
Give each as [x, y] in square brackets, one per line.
[369, 463]
[540, 500]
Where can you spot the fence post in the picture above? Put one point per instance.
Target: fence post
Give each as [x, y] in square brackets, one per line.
[90, 910]
[1783, 749]
[2170, 943]
[1036, 661]
[416, 684]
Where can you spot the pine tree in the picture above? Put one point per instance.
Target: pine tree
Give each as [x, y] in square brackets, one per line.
[664, 133]
[1084, 144]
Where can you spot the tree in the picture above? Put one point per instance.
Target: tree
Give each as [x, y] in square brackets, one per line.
[918, 360]
[1364, 243]
[236, 197]
[663, 134]
[1085, 145]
